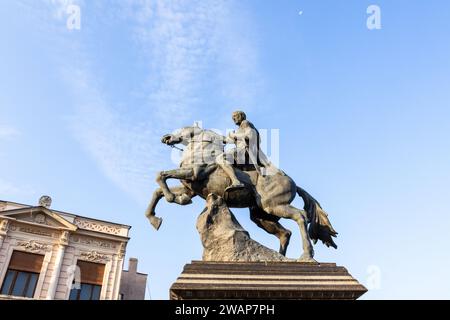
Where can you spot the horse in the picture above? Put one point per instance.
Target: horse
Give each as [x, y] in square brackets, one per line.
[268, 197]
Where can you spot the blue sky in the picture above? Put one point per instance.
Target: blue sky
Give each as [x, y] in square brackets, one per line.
[363, 118]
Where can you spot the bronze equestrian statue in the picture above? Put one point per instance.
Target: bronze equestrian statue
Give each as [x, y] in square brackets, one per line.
[253, 183]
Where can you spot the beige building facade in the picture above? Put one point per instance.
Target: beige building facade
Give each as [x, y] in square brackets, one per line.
[49, 254]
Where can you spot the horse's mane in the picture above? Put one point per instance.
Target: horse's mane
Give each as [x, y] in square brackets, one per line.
[212, 132]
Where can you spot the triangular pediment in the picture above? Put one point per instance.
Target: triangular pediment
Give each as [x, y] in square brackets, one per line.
[39, 215]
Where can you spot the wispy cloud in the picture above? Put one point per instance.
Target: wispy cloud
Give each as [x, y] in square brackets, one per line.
[175, 39]
[8, 132]
[188, 41]
[188, 46]
[123, 151]
[9, 190]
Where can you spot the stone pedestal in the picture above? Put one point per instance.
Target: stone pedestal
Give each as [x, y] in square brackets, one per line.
[265, 280]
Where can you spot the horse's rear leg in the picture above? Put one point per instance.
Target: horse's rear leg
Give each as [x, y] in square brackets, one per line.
[257, 215]
[299, 216]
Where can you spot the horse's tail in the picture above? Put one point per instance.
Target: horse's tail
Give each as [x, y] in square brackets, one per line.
[319, 226]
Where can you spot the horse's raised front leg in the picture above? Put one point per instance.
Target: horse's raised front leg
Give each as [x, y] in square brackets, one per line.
[182, 196]
[161, 177]
[150, 212]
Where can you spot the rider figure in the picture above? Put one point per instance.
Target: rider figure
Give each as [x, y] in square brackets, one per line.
[246, 138]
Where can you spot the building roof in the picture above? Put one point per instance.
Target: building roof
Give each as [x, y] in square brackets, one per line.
[61, 219]
[62, 213]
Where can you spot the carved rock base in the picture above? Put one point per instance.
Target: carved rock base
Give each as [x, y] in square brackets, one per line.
[224, 239]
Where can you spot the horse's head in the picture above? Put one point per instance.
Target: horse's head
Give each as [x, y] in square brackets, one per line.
[170, 139]
[182, 135]
[188, 134]
[202, 146]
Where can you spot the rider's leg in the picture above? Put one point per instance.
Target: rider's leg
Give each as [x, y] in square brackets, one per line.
[229, 170]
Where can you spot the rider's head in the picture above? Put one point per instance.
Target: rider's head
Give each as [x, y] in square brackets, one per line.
[238, 117]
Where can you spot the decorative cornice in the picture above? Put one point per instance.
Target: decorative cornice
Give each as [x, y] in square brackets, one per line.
[89, 241]
[4, 224]
[64, 238]
[122, 248]
[34, 246]
[94, 256]
[23, 227]
[40, 216]
[99, 227]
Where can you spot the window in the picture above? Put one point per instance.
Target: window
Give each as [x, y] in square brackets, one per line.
[22, 275]
[91, 275]
[86, 292]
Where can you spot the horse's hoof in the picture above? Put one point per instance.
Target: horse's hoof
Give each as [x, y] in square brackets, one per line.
[307, 259]
[284, 242]
[156, 222]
